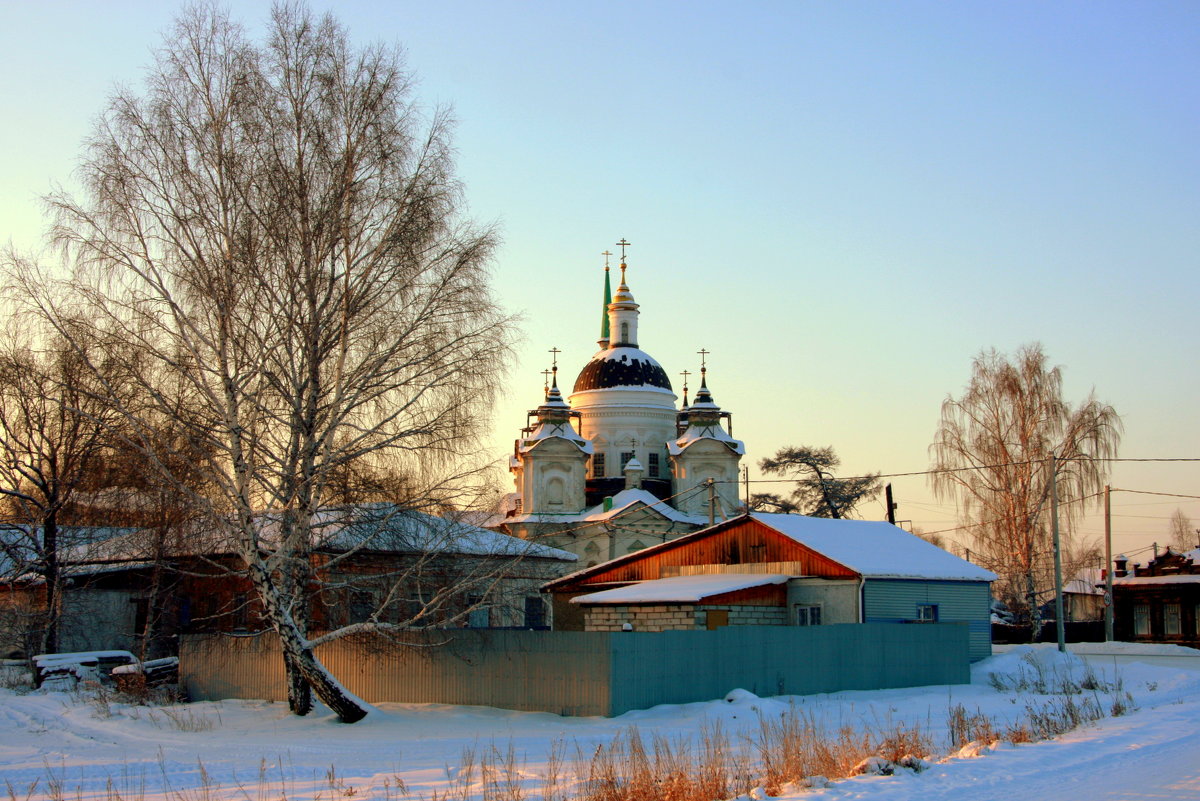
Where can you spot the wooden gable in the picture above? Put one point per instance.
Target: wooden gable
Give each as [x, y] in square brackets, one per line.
[741, 541]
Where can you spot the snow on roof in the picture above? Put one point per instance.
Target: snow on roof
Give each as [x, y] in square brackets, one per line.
[388, 528]
[695, 433]
[1082, 587]
[547, 430]
[626, 498]
[621, 503]
[20, 545]
[875, 549]
[681, 589]
[1178, 578]
[368, 527]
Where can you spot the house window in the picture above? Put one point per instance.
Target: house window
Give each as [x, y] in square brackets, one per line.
[807, 615]
[927, 613]
[1141, 620]
[362, 606]
[535, 612]
[479, 616]
[1171, 623]
[185, 612]
[653, 465]
[626, 457]
[598, 465]
[239, 612]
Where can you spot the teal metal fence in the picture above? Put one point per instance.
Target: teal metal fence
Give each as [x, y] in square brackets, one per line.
[595, 673]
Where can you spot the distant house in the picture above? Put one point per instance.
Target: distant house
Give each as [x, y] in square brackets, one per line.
[1159, 602]
[773, 569]
[1083, 597]
[404, 566]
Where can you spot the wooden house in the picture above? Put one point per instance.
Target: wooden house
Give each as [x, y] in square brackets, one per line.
[772, 569]
[141, 589]
[1159, 602]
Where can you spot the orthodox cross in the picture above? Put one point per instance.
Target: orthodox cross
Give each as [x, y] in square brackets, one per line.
[606, 254]
[703, 359]
[685, 375]
[546, 378]
[554, 354]
[623, 245]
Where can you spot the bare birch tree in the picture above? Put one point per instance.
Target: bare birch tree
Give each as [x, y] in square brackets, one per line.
[1181, 533]
[992, 454]
[276, 227]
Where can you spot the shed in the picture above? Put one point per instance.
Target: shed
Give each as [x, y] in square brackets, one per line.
[808, 571]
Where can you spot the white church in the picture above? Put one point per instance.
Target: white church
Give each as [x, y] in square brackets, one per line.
[618, 466]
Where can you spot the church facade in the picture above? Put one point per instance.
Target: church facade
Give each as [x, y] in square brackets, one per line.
[619, 465]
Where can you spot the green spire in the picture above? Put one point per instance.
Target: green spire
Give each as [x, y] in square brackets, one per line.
[604, 311]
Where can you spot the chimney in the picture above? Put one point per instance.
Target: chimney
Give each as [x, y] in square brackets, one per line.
[1121, 561]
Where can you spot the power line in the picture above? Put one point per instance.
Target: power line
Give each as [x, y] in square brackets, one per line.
[1148, 492]
[978, 467]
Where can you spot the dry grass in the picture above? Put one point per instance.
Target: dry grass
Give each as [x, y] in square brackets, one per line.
[795, 749]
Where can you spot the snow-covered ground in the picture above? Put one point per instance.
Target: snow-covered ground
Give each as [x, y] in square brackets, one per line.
[76, 746]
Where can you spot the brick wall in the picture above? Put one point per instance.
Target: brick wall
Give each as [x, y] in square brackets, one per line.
[675, 617]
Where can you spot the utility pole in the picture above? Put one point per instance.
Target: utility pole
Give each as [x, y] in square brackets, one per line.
[712, 502]
[891, 506]
[746, 473]
[1108, 593]
[1058, 597]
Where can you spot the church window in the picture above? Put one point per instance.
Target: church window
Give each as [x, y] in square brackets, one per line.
[635, 546]
[598, 465]
[624, 332]
[626, 457]
[654, 465]
[555, 491]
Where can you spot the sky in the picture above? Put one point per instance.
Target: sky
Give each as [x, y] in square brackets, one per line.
[844, 202]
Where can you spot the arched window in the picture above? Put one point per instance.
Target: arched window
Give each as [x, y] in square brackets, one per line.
[555, 491]
[624, 332]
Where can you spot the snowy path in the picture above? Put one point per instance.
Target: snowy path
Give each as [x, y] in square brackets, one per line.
[1153, 753]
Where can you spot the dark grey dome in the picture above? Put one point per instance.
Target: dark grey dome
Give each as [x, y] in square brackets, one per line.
[622, 367]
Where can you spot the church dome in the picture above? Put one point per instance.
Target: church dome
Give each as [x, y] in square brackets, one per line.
[622, 367]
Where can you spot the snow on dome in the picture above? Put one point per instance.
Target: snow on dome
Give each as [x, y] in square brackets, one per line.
[622, 366]
[681, 589]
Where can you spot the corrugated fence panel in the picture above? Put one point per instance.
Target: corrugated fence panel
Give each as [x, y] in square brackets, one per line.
[686, 666]
[563, 672]
[595, 673]
[891, 601]
[214, 667]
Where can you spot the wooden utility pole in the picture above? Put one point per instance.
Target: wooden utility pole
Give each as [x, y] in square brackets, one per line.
[891, 506]
[1108, 566]
[1058, 595]
[712, 501]
[746, 473]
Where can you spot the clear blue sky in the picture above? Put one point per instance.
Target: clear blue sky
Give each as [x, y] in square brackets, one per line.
[844, 202]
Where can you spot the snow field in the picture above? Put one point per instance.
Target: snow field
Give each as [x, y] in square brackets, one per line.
[94, 746]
